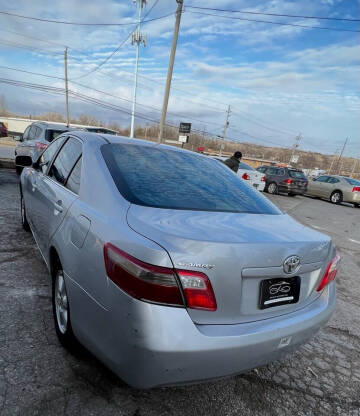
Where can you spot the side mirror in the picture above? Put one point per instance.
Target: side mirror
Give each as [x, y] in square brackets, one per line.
[17, 138]
[24, 161]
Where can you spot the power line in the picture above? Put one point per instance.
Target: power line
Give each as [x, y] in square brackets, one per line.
[276, 14]
[79, 23]
[273, 23]
[50, 42]
[121, 44]
[28, 47]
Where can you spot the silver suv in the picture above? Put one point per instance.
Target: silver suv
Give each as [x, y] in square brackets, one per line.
[35, 139]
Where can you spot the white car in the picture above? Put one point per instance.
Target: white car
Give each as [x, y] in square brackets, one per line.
[246, 172]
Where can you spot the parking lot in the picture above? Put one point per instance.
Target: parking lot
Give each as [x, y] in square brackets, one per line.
[38, 377]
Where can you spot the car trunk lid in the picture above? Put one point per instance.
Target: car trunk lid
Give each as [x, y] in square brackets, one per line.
[236, 252]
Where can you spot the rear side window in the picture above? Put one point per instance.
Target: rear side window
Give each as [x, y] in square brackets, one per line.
[51, 135]
[352, 182]
[49, 153]
[272, 171]
[65, 160]
[164, 178]
[333, 180]
[281, 172]
[297, 174]
[245, 166]
[322, 179]
[73, 182]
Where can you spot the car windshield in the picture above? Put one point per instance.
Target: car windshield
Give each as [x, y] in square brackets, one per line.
[164, 178]
[297, 174]
[245, 166]
[353, 182]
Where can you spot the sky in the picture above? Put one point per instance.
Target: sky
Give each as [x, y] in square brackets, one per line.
[280, 81]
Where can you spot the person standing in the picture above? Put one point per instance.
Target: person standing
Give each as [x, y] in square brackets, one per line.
[234, 161]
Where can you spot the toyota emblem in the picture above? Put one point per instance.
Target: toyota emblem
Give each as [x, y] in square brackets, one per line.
[291, 264]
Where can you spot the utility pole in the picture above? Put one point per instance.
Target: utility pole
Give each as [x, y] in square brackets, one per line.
[66, 88]
[228, 112]
[332, 162]
[353, 171]
[170, 69]
[342, 152]
[136, 38]
[295, 146]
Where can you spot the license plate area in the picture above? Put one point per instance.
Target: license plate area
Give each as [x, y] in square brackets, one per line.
[279, 291]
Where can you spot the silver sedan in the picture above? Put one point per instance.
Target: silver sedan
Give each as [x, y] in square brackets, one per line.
[166, 265]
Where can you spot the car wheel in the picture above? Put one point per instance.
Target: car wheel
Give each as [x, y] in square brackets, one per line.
[61, 311]
[19, 169]
[24, 220]
[272, 188]
[336, 197]
[291, 194]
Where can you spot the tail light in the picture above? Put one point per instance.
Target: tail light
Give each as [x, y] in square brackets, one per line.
[330, 273]
[40, 146]
[356, 189]
[158, 284]
[289, 181]
[246, 176]
[263, 179]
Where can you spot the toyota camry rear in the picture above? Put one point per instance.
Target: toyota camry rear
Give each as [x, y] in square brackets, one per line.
[176, 271]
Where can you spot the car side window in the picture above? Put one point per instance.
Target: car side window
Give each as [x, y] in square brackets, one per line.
[322, 179]
[281, 172]
[65, 160]
[73, 182]
[32, 132]
[47, 156]
[333, 180]
[272, 171]
[26, 133]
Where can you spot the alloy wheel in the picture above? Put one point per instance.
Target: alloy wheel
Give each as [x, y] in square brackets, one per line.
[61, 303]
[336, 197]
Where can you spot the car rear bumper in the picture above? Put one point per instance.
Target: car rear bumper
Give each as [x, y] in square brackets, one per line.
[153, 345]
[353, 198]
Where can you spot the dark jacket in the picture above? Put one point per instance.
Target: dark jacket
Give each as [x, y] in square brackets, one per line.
[233, 163]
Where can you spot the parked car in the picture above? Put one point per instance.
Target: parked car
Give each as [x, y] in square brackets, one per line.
[3, 130]
[246, 172]
[35, 139]
[283, 179]
[336, 188]
[171, 275]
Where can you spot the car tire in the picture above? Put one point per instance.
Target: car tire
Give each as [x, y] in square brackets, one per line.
[291, 194]
[336, 197]
[272, 188]
[61, 311]
[24, 220]
[19, 169]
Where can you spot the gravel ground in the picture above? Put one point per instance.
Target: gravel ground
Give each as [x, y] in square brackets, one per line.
[38, 377]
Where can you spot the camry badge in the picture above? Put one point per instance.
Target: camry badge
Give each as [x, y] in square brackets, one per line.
[197, 265]
[291, 264]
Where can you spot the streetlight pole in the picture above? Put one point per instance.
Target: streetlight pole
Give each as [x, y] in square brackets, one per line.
[170, 69]
[136, 38]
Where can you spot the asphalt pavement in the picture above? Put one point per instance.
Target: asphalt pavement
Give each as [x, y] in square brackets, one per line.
[38, 377]
[7, 152]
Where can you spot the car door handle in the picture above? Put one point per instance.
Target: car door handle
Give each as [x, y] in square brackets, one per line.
[58, 206]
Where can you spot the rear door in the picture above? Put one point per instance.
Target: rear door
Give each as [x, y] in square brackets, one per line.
[317, 187]
[332, 184]
[53, 197]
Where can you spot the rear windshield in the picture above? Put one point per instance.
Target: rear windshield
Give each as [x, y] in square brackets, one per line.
[353, 182]
[53, 134]
[164, 178]
[297, 174]
[245, 166]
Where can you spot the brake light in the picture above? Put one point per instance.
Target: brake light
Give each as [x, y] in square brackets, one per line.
[330, 273]
[263, 179]
[246, 176]
[158, 284]
[40, 146]
[288, 181]
[356, 189]
[197, 290]
[141, 280]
